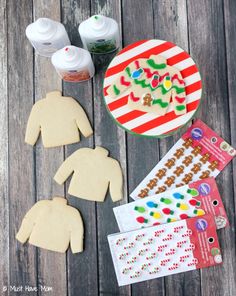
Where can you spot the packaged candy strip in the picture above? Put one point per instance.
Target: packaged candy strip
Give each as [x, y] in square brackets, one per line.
[187, 201]
[200, 153]
[166, 249]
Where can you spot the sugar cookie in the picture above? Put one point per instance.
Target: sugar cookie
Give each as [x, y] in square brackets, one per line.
[151, 84]
[53, 225]
[58, 119]
[93, 172]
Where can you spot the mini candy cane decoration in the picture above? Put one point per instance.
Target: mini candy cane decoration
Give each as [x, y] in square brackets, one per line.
[152, 256]
[139, 237]
[129, 246]
[159, 232]
[126, 270]
[161, 248]
[145, 266]
[148, 242]
[178, 229]
[155, 270]
[123, 256]
[135, 275]
[120, 241]
[174, 266]
[165, 261]
[180, 244]
[168, 237]
[193, 262]
[190, 248]
[132, 260]
[171, 252]
[183, 258]
[187, 233]
[142, 252]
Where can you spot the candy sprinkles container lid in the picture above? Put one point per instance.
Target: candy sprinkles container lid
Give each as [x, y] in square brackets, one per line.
[71, 58]
[152, 88]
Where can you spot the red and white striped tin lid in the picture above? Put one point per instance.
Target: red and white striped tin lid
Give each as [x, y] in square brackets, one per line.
[148, 124]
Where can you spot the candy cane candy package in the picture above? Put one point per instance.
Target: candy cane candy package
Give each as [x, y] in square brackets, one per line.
[166, 249]
[191, 200]
[200, 153]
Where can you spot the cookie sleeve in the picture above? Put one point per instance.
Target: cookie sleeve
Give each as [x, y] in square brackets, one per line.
[28, 223]
[33, 126]
[76, 232]
[178, 94]
[116, 181]
[66, 169]
[82, 122]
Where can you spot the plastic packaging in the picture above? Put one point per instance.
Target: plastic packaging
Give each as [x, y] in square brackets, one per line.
[47, 36]
[73, 64]
[100, 34]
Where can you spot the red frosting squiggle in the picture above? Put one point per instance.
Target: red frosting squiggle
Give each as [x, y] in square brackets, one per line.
[123, 82]
[177, 78]
[133, 98]
[179, 100]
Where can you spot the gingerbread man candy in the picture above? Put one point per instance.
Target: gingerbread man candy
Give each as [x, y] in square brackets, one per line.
[143, 193]
[188, 143]
[179, 185]
[147, 100]
[187, 160]
[169, 181]
[170, 162]
[187, 178]
[205, 174]
[161, 189]
[161, 173]
[152, 183]
[179, 152]
[196, 150]
[205, 157]
[213, 165]
[179, 170]
[196, 168]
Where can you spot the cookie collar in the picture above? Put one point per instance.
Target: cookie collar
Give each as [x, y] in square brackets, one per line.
[53, 94]
[102, 151]
[59, 200]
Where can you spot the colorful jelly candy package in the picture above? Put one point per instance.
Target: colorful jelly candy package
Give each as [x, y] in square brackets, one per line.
[165, 249]
[191, 200]
[200, 153]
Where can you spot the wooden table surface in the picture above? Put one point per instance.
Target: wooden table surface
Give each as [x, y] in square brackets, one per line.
[207, 30]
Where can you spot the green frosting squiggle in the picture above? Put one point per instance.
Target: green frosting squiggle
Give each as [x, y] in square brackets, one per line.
[160, 102]
[152, 64]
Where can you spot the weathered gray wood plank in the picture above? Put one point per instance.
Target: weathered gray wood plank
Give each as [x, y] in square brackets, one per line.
[143, 153]
[4, 201]
[23, 266]
[230, 36]
[82, 268]
[48, 160]
[108, 135]
[170, 23]
[206, 36]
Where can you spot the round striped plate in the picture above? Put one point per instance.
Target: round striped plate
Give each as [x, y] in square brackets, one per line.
[149, 124]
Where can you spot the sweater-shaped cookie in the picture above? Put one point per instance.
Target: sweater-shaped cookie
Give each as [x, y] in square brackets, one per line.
[93, 173]
[150, 85]
[59, 120]
[53, 225]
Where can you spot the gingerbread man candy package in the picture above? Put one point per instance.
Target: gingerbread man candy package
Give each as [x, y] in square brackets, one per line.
[200, 153]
